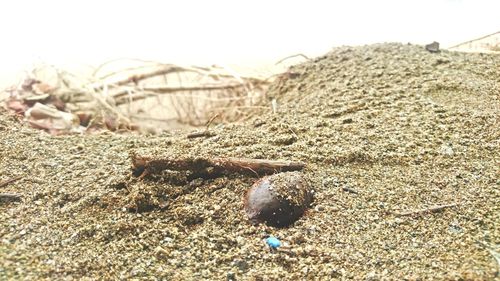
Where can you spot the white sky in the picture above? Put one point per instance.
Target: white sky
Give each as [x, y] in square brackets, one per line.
[246, 33]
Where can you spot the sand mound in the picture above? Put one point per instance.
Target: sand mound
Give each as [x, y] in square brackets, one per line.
[389, 133]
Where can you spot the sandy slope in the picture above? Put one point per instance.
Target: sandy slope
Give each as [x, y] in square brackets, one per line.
[403, 128]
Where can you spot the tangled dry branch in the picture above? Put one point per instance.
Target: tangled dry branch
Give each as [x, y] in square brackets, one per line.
[134, 98]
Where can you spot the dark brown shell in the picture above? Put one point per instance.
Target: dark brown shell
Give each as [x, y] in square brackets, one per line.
[278, 200]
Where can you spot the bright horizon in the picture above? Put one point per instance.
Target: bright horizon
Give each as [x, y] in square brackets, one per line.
[77, 34]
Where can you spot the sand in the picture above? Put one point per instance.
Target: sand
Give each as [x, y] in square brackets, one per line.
[386, 130]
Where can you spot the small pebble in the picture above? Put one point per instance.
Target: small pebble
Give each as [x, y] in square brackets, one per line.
[432, 47]
[278, 200]
[319, 208]
[446, 150]
[273, 242]
[230, 276]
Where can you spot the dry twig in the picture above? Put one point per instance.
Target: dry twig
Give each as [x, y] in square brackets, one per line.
[434, 209]
[210, 167]
[206, 132]
[199, 134]
[292, 56]
[209, 122]
[350, 190]
[169, 90]
[135, 78]
[6, 182]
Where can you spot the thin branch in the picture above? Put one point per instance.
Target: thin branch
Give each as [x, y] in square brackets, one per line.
[139, 117]
[167, 90]
[350, 190]
[209, 122]
[145, 95]
[210, 167]
[199, 134]
[242, 106]
[138, 77]
[101, 66]
[434, 209]
[206, 132]
[470, 41]
[107, 106]
[6, 182]
[293, 56]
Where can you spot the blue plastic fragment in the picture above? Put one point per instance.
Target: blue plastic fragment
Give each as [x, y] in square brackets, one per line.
[273, 242]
